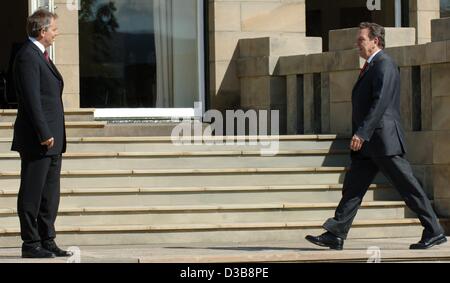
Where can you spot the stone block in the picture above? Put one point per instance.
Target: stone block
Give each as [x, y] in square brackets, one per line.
[278, 91]
[341, 85]
[441, 113]
[441, 181]
[71, 100]
[400, 37]
[440, 29]
[256, 66]
[290, 65]
[343, 60]
[436, 52]
[341, 118]
[440, 85]
[224, 46]
[263, 91]
[286, 45]
[315, 63]
[255, 91]
[345, 39]
[254, 47]
[424, 5]
[227, 16]
[224, 76]
[224, 85]
[67, 19]
[66, 50]
[419, 147]
[282, 45]
[424, 174]
[71, 75]
[415, 55]
[342, 39]
[441, 147]
[273, 16]
[424, 25]
[399, 55]
[442, 207]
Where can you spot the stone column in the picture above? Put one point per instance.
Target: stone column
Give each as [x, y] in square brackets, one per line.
[67, 53]
[230, 21]
[421, 12]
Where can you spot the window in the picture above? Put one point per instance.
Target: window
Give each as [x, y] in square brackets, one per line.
[445, 8]
[140, 53]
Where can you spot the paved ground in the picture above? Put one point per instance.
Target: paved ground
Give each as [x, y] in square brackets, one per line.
[387, 250]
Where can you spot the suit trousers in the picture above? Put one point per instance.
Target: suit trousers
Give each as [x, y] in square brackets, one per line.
[38, 199]
[357, 181]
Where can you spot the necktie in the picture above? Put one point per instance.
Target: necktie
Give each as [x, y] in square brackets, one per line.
[46, 56]
[364, 68]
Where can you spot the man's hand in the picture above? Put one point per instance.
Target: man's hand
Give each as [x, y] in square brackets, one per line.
[356, 143]
[49, 143]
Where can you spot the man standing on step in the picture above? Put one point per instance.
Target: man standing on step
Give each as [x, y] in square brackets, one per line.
[378, 145]
[39, 137]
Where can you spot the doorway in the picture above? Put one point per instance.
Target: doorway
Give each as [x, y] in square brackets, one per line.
[13, 20]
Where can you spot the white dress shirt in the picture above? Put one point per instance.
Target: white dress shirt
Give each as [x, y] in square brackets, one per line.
[37, 43]
[373, 56]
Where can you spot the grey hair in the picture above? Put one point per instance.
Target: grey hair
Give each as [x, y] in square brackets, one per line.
[38, 21]
[375, 31]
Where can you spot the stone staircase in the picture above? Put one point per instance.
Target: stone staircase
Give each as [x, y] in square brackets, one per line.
[119, 190]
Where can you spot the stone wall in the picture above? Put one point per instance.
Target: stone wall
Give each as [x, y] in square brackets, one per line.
[439, 88]
[67, 53]
[421, 12]
[318, 87]
[232, 20]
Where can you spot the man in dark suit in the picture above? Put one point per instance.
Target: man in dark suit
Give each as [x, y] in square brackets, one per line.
[378, 144]
[39, 137]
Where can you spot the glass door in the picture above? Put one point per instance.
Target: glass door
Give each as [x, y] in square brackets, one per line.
[141, 54]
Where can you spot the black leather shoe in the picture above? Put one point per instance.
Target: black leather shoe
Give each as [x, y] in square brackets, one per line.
[36, 252]
[327, 239]
[52, 247]
[426, 243]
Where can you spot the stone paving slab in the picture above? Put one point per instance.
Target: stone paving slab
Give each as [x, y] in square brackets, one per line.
[390, 250]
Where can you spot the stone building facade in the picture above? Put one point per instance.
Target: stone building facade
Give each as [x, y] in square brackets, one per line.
[262, 54]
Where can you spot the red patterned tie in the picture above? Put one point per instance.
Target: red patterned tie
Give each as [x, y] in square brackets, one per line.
[363, 69]
[46, 56]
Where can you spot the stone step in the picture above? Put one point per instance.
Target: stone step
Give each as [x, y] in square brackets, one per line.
[144, 144]
[111, 197]
[392, 250]
[193, 177]
[209, 214]
[230, 233]
[85, 114]
[72, 128]
[191, 159]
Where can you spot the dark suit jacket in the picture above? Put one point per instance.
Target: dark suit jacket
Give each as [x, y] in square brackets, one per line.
[376, 108]
[40, 115]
